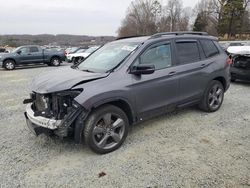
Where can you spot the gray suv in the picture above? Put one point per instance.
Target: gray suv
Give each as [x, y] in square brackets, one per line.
[126, 82]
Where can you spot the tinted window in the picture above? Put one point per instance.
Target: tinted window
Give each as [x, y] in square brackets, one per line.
[159, 56]
[209, 48]
[187, 52]
[34, 49]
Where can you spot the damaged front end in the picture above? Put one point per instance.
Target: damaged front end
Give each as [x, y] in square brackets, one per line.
[53, 112]
[240, 68]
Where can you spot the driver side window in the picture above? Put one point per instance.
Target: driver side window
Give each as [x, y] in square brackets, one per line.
[24, 50]
[158, 55]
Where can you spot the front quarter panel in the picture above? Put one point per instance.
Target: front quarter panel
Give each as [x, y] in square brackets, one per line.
[112, 88]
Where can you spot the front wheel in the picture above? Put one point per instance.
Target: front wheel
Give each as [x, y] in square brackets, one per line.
[55, 61]
[213, 97]
[106, 129]
[9, 65]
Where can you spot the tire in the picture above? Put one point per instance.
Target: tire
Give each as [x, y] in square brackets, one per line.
[105, 129]
[233, 79]
[213, 97]
[80, 59]
[9, 65]
[75, 60]
[55, 61]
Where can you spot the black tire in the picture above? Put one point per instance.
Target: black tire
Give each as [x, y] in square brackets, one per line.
[213, 97]
[233, 79]
[9, 65]
[104, 137]
[55, 61]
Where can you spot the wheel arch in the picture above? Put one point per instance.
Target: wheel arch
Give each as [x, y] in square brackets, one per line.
[9, 59]
[222, 80]
[123, 104]
[55, 56]
[120, 103]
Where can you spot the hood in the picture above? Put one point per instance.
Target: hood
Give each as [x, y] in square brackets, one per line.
[62, 79]
[239, 50]
[4, 55]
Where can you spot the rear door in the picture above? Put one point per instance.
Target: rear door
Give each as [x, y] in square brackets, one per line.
[191, 69]
[157, 92]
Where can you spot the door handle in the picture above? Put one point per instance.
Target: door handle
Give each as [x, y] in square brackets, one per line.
[29, 54]
[172, 73]
[203, 65]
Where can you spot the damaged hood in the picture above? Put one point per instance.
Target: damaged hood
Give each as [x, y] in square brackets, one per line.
[240, 50]
[62, 79]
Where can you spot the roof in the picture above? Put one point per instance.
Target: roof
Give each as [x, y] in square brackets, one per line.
[167, 35]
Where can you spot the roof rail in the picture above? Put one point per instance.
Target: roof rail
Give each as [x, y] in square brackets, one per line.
[157, 35]
[127, 37]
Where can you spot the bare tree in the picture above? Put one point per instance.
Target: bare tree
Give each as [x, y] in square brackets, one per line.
[174, 8]
[145, 17]
[141, 18]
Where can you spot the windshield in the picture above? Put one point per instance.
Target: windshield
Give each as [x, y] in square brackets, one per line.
[81, 51]
[108, 57]
[16, 50]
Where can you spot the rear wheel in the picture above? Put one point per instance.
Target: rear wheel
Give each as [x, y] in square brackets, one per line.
[9, 65]
[213, 97]
[55, 61]
[106, 129]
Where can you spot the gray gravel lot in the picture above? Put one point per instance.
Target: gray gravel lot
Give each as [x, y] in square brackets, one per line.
[188, 148]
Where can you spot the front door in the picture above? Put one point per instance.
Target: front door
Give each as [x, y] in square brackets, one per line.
[23, 55]
[155, 93]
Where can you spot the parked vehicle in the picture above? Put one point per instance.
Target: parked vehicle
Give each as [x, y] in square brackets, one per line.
[26, 55]
[240, 68]
[71, 56]
[126, 82]
[80, 56]
[3, 50]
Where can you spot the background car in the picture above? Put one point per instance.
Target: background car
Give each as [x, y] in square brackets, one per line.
[80, 56]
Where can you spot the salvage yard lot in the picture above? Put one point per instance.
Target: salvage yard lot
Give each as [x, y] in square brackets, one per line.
[187, 148]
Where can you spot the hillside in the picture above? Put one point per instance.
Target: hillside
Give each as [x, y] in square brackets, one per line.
[46, 39]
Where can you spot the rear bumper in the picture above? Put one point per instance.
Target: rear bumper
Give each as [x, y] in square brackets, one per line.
[1, 63]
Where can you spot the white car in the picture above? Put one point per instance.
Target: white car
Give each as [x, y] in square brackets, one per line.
[81, 54]
[70, 56]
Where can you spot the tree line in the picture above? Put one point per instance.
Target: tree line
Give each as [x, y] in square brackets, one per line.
[217, 17]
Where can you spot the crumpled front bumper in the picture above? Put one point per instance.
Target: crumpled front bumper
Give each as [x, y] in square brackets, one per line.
[41, 121]
[39, 124]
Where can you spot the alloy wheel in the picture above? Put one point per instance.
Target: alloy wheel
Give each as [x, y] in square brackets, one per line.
[108, 131]
[215, 97]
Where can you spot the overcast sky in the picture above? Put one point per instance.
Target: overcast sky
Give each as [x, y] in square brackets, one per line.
[82, 17]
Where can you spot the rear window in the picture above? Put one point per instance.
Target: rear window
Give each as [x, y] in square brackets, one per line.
[209, 48]
[188, 52]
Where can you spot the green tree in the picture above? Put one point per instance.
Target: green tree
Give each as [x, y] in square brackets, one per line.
[200, 23]
[231, 17]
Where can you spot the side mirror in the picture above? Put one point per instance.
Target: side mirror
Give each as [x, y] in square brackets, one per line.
[19, 52]
[142, 69]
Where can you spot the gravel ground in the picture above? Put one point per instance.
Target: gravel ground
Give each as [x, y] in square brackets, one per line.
[188, 148]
